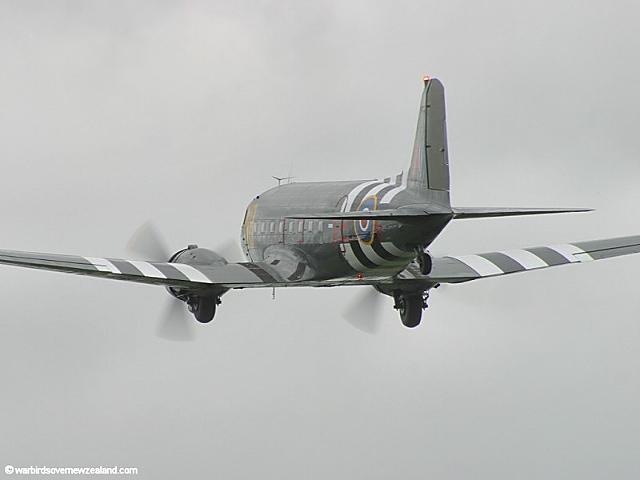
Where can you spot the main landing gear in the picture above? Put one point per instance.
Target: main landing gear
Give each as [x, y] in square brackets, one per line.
[410, 306]
[203, 308]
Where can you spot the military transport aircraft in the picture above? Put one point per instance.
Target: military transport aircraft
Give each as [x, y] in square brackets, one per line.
[329, 234]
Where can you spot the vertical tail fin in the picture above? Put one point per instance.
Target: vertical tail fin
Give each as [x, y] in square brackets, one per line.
[429, 169]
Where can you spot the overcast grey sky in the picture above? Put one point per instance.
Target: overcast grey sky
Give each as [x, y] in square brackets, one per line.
[112, 113]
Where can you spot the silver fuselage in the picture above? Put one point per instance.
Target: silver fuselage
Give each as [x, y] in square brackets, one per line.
[338, 248]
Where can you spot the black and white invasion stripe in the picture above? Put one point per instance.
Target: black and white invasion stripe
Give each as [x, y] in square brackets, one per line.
[511, 261]
[364, 257]
[227, 274]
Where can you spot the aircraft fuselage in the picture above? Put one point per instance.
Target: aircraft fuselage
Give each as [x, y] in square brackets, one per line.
[329, 248]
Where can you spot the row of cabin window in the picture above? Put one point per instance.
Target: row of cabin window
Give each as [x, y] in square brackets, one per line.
[294, 226]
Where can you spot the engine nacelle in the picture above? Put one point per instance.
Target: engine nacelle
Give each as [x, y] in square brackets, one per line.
[193, 255]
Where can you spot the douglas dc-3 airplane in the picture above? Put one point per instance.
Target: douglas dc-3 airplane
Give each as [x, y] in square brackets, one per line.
[328, 234]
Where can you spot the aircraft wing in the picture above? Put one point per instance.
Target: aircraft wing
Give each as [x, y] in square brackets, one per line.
[178, 275]
[449, 269]
[463, 268]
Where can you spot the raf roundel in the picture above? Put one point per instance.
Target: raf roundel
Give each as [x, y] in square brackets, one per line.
[365, 227]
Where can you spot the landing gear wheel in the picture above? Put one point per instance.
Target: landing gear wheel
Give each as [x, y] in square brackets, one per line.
[410, 308]
[424, 262]
[203, 308]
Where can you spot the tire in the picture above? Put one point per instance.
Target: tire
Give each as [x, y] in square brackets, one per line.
[411, 310]
[205, 309]
[425, 263]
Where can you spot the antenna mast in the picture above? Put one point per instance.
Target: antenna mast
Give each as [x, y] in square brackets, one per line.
[280, 179]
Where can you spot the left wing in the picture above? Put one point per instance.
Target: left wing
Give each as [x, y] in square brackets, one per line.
[463, 268]
[178, 275]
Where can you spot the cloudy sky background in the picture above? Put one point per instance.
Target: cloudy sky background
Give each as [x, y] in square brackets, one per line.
[112, 113]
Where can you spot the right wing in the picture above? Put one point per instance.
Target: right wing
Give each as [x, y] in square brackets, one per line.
[463, 268]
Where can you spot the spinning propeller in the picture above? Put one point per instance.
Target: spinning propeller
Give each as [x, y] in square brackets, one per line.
[364, 312]
[175, 323]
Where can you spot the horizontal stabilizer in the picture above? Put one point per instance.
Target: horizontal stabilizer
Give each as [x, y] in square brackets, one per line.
[480, 212]
[407, 212]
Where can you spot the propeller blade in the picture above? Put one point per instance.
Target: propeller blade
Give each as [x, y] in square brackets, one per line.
[365, 312]
[149, 243]
[231, 251]
[175, 323]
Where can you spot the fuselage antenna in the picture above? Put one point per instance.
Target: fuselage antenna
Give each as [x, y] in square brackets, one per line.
[280, 179]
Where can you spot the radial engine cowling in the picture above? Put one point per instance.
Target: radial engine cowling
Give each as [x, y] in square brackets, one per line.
[194, 255]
